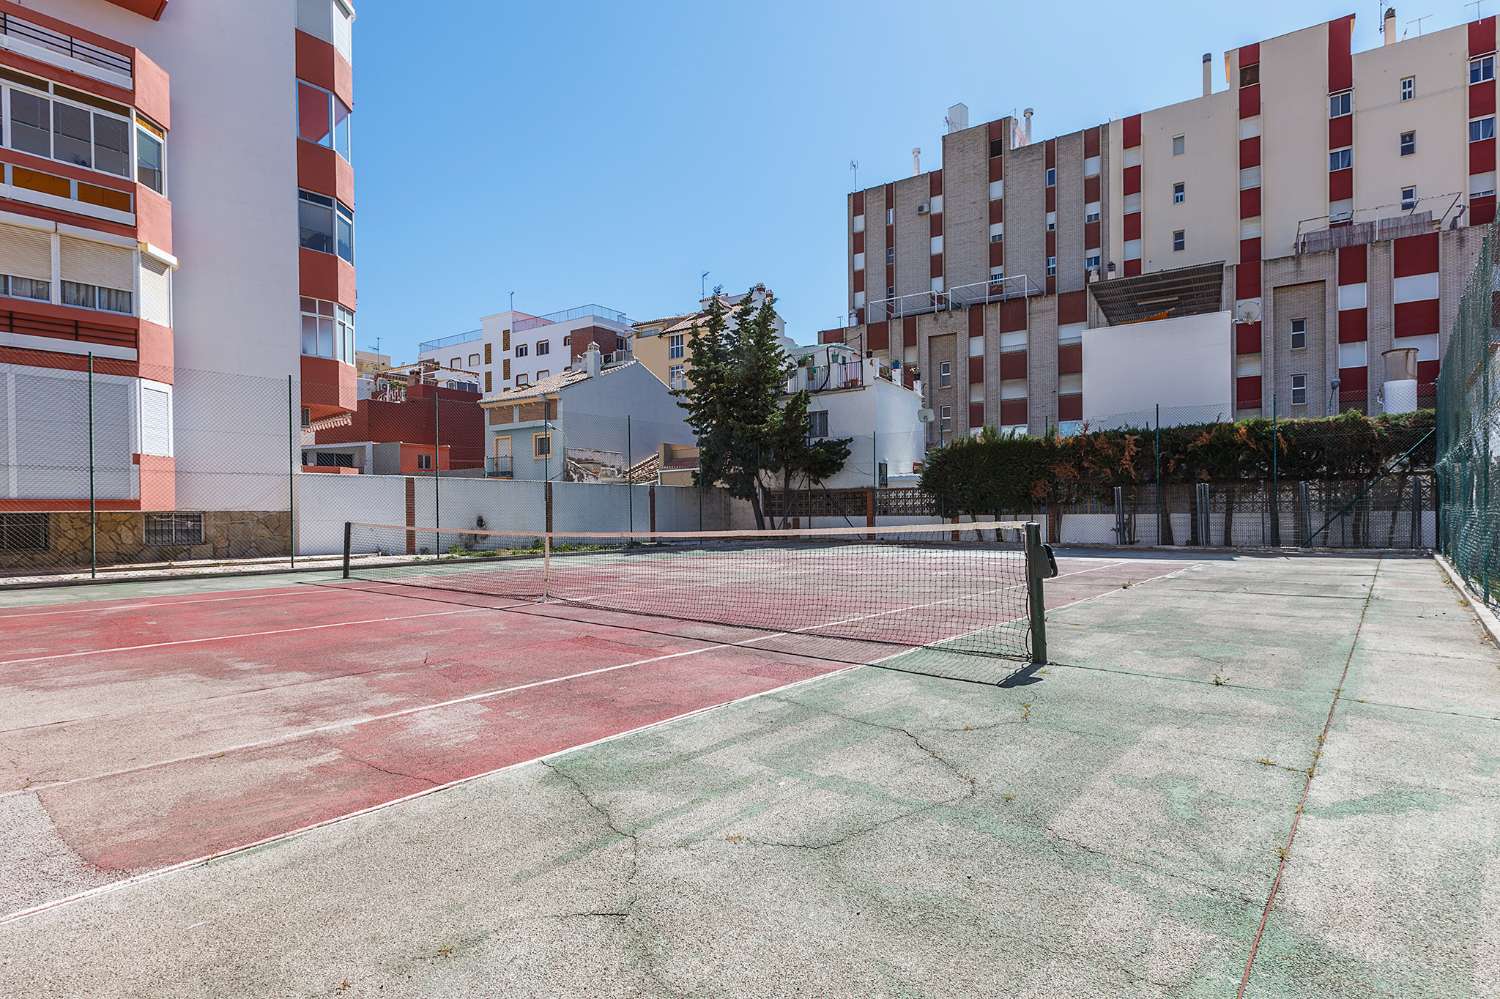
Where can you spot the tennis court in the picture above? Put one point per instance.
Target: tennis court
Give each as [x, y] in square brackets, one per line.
[422, 780]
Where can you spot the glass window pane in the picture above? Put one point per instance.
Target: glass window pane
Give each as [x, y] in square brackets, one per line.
[309, 335]
[341, 134]
[148, 161]
[346, 236]
[112, 145]
[71, 138]
[114, 300]
[316, 224]
[312, 115]
[325, 338]
[81, 295]
[30, 124]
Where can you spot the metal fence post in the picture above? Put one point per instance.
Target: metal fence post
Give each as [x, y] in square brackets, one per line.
[1120, 533]
[1304, 513]
[437, 470]
[629, 481]
[291, 470]
[93, 496]
[348, 537]
[1275, 478]
[1036, 571]
[1416, 512]
[1205, 521]
[1161, 499]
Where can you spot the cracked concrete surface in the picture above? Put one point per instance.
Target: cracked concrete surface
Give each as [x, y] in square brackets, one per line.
[1112, 830]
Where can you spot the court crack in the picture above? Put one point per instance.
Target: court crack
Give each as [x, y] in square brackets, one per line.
[387, 771]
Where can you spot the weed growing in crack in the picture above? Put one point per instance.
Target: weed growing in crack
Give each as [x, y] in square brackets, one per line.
[1266, 761]
[1026, 712]
[1219, 681]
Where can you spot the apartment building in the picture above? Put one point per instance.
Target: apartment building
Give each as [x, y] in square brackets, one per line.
[664, 345]
[1329, 200]
[177, 199]
[513, 349]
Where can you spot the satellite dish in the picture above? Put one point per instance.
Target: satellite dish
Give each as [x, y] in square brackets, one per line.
[924, 415]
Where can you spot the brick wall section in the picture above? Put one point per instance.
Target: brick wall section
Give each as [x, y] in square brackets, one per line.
[1070, 276]
[1026, 213]
[1041, 364]
[940, 349]
[874, 245]
[1307, 301]
[966, 222]
[913, 240]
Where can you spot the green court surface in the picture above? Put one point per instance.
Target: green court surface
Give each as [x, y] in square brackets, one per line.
[1259, 776]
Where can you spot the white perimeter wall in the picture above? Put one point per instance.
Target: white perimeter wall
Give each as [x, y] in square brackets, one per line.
[1184, 365]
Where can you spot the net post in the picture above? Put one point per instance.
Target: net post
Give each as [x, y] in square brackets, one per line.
[546, 562]
[1036, 571]
[348, 538]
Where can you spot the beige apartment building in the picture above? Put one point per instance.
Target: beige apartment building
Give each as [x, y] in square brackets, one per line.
[663, 345]
[1330, 200]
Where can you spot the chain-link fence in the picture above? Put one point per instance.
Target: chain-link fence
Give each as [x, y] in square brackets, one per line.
[107, 464]
[1468, 402]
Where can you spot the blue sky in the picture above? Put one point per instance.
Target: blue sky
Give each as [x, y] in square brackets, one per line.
[610, 152]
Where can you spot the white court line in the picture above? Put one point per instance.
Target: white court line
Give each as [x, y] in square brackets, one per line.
[206, 859]
[349, 723]
[227, 638]
[93, 607]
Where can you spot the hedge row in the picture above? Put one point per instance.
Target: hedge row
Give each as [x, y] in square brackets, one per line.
[993, 473]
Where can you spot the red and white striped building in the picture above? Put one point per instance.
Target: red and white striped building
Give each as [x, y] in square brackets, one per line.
[177, 201]
[1330, 200]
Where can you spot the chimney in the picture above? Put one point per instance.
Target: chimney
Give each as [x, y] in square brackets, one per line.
[1027, 114]
[1208, 74]
[1390, 26]
[958, 117]
[916, 161]
[593, 361]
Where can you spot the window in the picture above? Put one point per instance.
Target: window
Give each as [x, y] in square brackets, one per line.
[946, 414]
[1051, 266]
[997, 232]
[1179, 240]
[1052, 176]
[541, 445]
[325, 225]
[473, 360]
[1340, 104]
[1179, 192]
[1091, 261]
[997, 146]
[23, 532]
[522, 379]
[1408, 143]
[1298, 338]
[323, 119]
[522, 350]
[890, 216]
[1482, 69]
[997, 190]
[88, 296]
[1408, 87]
[424, 462]
[20, 287]
[1340, 159]
[456, 363]
[30, 123]
[1481, 129]
[997, 275]
[1408, 198]
[890, 254]
[1091, 212]
[945, 374]
[71, 133]
[676, 377]
[1299, 390]
[150, 158]
[487, 354]
[174, 528]
[1051, 221]
[543, 347]
[676, 345]
[328, 331]
[1179, 145]
[543, 373]
[817, 423]
[1249, 75]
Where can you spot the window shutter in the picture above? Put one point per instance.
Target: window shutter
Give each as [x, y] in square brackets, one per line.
[98, 264]
[156, 292]
[156, 421]
[25, 253]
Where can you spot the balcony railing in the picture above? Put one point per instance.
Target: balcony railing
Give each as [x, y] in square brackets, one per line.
[1369, 225]
[568, 315]
[499, 467]
[958, 297]
[465, 337]
[22, 324]
[74, 48]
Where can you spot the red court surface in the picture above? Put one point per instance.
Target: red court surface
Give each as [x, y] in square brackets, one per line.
[159, 731]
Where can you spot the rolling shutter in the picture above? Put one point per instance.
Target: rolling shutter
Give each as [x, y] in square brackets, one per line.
[98, 264]
[156, 292]
[156, 421]
[25, 253]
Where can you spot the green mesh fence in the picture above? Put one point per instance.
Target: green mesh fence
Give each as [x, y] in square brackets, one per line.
[1466, 427]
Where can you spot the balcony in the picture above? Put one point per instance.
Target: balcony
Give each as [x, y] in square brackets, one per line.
[958, 297]
[568, 315]
[1370, 225]
[58, 48]
[468, 336]
[499, 467]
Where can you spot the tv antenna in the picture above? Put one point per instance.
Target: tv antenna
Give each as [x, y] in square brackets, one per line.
[854, 172]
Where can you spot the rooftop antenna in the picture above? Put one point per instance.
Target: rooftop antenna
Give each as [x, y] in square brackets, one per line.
[1478, 14]
[703, 285]
[854, 169]
[1418, 22]
[512, 301]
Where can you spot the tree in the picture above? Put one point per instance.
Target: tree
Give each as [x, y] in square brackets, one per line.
[736, 405]
[795, 455]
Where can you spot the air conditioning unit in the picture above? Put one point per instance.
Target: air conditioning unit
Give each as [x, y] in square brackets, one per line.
[923, 207]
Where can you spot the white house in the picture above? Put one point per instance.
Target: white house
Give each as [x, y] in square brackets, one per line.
[874, 405]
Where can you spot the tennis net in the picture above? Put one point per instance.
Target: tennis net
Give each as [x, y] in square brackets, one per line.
[972, 588]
